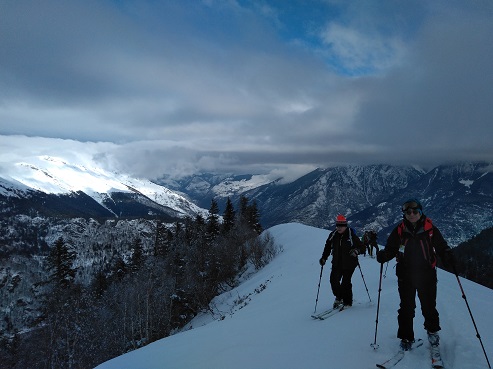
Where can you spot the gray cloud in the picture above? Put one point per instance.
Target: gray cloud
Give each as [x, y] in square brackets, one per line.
[179, 87]
[438, 99]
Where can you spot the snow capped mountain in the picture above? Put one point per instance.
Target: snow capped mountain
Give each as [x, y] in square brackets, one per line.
[202, 188]
[458, 197]
[12, 188]
[265, 322]
[55, 176]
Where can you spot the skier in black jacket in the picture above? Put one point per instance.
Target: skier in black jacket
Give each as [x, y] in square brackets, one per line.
[415, 243]
[345, 247]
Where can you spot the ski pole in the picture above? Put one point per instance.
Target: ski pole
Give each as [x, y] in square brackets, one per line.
[374, 344]
[359, 266]
[470, 313]
[385, 276]
[318, 290]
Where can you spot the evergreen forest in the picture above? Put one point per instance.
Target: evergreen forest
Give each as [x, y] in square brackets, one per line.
[89, 309]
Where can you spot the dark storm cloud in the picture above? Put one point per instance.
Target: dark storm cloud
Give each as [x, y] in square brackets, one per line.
[245, 87]
[439, 99]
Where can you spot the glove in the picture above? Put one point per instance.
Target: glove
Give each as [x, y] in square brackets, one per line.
[382, 256]
[354, 253]
[322, 261]
[449, 259]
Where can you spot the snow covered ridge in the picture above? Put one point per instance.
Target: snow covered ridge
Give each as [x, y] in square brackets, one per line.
[265, 322]
[51, 175]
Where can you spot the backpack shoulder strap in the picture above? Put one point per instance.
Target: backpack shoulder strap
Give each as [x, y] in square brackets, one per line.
[428, 227]
[351, 232]
[400, 229]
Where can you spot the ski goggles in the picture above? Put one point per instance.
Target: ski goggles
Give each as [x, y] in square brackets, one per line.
[410, 211]
[410, 205]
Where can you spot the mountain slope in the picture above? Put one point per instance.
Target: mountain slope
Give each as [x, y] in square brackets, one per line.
[318, 197]
[458, 197]
[82, 190]
[265, 322]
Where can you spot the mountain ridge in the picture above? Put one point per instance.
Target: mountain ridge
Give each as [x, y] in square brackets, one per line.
[54, 180]
[458, 197]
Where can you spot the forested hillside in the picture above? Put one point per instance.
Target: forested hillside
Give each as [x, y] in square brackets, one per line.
[475, 258]
[103, 289]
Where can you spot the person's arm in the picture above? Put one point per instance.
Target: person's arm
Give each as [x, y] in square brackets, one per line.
[391, 247]
[327, 249]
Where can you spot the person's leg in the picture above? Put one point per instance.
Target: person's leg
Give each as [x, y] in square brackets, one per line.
[407, 294]
[347, 287]
[427, 294]
[335, 282]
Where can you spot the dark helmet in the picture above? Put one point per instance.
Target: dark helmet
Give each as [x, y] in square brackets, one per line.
[412, 204]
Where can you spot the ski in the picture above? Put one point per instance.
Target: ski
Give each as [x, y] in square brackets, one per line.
[436, 358]
[394, 360]
[390, 363]
[328, 313]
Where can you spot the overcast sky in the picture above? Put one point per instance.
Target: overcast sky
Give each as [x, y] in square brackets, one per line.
[267, 86]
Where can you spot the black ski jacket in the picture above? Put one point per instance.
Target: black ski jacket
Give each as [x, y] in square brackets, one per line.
[416, 247]
[341, 246]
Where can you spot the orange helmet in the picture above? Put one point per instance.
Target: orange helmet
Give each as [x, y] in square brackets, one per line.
[341, 220]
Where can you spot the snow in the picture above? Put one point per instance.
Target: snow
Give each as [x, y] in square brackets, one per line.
[54, 175]
[229, 188]
[466, 183]
[266, 321]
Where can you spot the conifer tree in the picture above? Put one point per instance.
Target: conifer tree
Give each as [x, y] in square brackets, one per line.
[60, 264]
[119, 268]
[228, 217]
[212, 222]
[243, 206]
[137, 258]
[99, 284]
[160, 242]
[249, 215]
[253, 217]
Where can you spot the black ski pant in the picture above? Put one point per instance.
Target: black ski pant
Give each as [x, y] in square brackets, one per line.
[424, 283]
[340, 282]
[370, 248]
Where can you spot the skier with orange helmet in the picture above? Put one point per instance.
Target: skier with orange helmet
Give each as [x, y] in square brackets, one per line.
[345, 247]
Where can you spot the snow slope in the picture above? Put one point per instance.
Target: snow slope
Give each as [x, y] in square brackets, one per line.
[266, 321]
[56, 175]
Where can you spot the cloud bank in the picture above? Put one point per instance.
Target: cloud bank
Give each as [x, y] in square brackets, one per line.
[257, 87]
